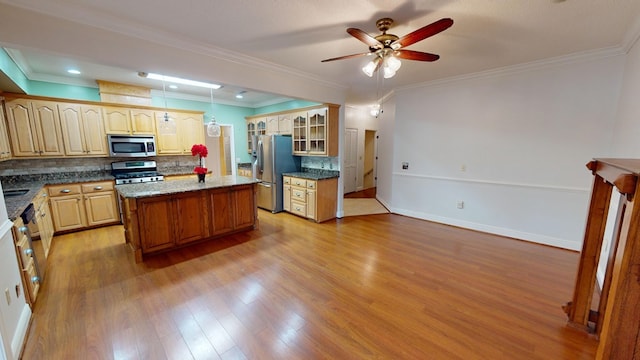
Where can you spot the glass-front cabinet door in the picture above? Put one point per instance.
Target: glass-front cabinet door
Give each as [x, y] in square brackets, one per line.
[317, 143]
[251, 130]
[299, 133]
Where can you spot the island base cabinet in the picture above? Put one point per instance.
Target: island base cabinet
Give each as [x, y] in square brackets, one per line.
[160, 223]
[155, 216]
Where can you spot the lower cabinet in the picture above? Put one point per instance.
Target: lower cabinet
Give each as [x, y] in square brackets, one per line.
[43, 228]
[169, 221]
[312, 199]
[79, 206]
[26, 261]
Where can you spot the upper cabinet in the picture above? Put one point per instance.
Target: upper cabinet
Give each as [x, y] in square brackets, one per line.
[5, 147]
[278, 124]
[34, 128]
[177, 135]
[82, 130]
[39, 126]
[314, 130]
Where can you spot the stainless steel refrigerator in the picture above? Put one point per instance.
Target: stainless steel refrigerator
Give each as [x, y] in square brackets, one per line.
[274, 156]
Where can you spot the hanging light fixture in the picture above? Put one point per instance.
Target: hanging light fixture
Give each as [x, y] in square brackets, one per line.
[213, 129]
[385, 58]
[167, 126]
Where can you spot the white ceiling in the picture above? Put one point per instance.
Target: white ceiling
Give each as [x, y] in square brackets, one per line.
[283, 41]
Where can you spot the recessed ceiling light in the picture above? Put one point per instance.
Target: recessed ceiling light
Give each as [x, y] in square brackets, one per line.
[240, 95]
[74, 71]
[173, 86]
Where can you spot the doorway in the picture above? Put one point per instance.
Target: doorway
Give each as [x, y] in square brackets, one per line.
[369, 165]
[221, 159]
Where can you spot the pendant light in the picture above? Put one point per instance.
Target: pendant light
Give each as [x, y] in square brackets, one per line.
[167, 126]
[213, 129]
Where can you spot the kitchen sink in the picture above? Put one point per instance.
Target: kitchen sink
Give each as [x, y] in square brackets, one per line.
[15, 192]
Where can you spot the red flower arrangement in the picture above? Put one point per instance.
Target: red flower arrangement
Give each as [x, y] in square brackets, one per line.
[202, 152]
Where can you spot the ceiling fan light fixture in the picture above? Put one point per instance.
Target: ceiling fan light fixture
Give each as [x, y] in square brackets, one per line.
[393, 62]
[371, 67]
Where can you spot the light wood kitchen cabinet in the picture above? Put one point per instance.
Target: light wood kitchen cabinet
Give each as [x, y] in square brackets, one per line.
[100, 203]
[189, 130]
[314, 130]
[26, 261]
[67, 207]
[82, 130]
[128, 121]
[34, 128]
[313, 199]
[5, 147]
[317, 134]
[79, 206]
[279, 124]
[142, 122]
[286, 193]
[43, 228]
[117, 120]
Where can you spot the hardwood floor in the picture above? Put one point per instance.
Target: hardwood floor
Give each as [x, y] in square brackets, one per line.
[366, 193]
[369, 287]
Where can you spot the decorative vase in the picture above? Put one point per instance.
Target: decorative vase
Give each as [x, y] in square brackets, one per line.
[201, 178]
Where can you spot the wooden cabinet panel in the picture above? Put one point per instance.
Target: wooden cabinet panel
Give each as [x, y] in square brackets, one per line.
[156, 229]
[22, 131]
[68, 212]
[191, 217]
[94, 135]
[272, 125]
[72, 129]
[116, 120]
[5, 147]
[244, 206]
[221, 212]
[168, 142]
[101, 208]
[286, 201]
[142, 122]
[189, 130]
[34, 128]
[49, 131]
[285, 122]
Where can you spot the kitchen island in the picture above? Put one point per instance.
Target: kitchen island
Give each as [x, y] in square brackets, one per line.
[165, 215]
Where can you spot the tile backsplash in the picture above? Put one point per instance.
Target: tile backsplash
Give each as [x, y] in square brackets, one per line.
[317, 162]
[166, 165]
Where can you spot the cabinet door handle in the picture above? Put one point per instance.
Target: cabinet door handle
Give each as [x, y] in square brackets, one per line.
[28, 251]
[97, 188]
[65, 191]
[35, 279]
[22, 229]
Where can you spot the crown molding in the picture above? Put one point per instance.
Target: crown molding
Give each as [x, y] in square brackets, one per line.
[524, 67]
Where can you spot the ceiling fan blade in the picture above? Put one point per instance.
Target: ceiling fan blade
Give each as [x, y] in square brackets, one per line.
[416, 55]
[347, 57]
[365, 38]
[422, 33]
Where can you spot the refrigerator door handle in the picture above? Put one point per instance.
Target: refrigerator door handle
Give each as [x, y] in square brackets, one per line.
[260, 157]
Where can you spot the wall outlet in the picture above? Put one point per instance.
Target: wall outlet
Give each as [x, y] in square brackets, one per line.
[461, 204]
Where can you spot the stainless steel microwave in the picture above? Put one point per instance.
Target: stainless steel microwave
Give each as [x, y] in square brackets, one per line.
[131, 145]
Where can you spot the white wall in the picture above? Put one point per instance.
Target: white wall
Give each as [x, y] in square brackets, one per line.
[627, 129]
[387, 141]
[511, 145]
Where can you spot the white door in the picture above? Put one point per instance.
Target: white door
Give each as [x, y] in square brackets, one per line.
[350, 160]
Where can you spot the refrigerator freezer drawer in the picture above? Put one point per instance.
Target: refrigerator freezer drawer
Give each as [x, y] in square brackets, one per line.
[266, 196]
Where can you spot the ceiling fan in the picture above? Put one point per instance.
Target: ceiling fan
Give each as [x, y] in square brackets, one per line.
[387, 48]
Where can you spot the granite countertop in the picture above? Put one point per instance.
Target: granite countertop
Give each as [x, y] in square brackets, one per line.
[35, 183]
[180, 186]
[314, 174]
